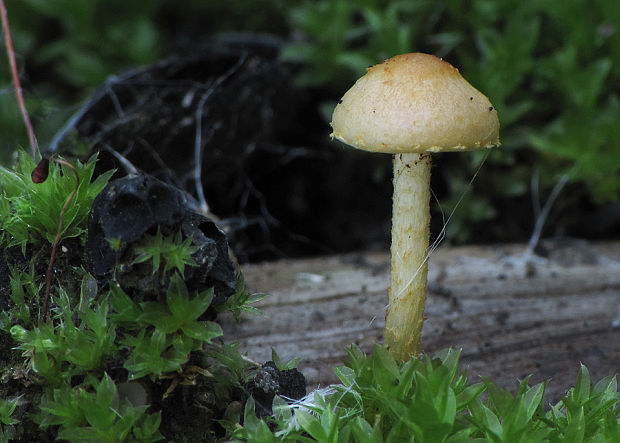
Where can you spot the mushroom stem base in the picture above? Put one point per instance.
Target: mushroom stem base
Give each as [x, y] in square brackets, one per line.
[410, 238]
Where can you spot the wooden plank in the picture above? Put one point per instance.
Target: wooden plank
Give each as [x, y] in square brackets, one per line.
[512, 316]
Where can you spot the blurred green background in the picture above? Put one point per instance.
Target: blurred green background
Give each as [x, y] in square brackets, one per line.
[551, 68]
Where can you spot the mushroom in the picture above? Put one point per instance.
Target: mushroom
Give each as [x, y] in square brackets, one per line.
[410, 106]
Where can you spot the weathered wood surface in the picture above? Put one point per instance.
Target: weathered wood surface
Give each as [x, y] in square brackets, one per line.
[510, 316]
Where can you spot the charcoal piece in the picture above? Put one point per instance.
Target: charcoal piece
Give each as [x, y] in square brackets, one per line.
[215, 269]
[269, 381]
[134, 205]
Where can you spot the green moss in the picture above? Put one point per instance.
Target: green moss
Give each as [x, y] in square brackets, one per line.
[73, 369]
[428, 399]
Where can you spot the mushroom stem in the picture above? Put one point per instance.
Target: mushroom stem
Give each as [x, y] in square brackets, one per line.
[410, 237]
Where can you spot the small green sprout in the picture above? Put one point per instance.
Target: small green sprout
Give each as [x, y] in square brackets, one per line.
[56, 354]
[175, 251]
[283, 365]
[115, 243]
[167, 334]
[241, 301]
[7, 408]
[95, 412]
[24, 293]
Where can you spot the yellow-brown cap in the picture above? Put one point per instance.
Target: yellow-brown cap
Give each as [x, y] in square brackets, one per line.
[415, 103]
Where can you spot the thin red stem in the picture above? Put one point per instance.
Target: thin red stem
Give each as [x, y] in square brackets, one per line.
[48, 276]
[18, 89]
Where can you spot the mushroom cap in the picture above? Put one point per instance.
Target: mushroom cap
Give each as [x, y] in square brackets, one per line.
[414, 103]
